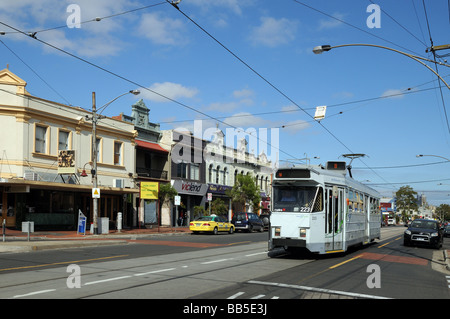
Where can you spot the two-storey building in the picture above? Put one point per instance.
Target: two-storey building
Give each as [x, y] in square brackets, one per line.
[45, 148]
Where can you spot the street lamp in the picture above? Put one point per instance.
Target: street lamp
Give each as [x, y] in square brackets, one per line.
[95, 118]
[323, 48]
[422, 155]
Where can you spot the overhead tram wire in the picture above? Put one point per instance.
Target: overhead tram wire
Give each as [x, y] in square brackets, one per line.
[135, 83]
[435, 65]
[97, 19]
[400, 25]
[267, 81]
[355, 27]
[32, 70]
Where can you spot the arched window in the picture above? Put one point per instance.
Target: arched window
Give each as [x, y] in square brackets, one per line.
[225, 177]
[210, 171]
[218, 174]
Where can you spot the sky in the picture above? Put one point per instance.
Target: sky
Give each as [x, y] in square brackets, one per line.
[249, 65]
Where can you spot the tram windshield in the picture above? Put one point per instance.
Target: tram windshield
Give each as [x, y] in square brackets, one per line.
[303, 199]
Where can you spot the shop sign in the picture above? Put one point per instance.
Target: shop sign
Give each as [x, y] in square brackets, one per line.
[149, 190]
[218, 189]
[66, 162]
[192, 188]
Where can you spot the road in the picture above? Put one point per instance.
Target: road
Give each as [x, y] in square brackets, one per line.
[224, 267]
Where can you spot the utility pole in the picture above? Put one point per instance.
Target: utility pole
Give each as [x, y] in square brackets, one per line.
[94, 160]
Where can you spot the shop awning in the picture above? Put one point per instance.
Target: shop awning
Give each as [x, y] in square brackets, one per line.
[151, 146]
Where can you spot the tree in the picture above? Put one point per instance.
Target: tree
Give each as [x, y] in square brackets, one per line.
[443, 212]
[406, 201]
[219, 207]
[166, 194]
[245, 192]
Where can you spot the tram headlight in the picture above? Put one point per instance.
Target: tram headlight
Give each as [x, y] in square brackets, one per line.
[302, 232]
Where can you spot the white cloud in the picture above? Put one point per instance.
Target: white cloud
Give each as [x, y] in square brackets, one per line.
[397, 94]
[170, 90]
[234, 5]
[274, 32]
[331, 23]
[162, 30]
[244, 98]
[245, 120]
[293, 127]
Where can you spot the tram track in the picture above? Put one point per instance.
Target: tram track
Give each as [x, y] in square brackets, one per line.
[92, 271]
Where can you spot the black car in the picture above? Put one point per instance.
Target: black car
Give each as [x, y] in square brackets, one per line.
[247, 221]
[424, 232]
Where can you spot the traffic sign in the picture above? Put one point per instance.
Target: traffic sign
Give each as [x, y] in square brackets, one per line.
[96, 193]
[177, 200]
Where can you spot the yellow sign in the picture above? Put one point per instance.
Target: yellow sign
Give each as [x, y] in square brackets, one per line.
[149, 190]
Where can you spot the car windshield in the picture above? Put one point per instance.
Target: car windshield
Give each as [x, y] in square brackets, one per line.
[304, 199]
[424, 224]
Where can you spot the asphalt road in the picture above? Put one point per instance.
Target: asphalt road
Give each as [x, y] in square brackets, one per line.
[224, 267]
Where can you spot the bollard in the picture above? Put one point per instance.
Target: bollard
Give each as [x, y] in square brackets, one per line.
[4, 229]
[119, 222]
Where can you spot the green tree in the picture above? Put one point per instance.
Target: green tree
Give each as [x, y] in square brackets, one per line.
[443, 212]
[219, 207]
[245, 192]
[406, 201]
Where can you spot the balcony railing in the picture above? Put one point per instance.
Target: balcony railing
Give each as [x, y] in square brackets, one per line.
[151, 173]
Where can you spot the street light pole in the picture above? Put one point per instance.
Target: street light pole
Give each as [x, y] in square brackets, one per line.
[323, 48]
[94, 160]
[95, 118]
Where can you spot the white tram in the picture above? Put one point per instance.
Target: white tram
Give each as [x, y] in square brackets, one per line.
[322, 210]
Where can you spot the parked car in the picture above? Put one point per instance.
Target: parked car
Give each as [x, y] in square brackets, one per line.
[247, 221]
[425, 232]
[447, 231]
[211, 224]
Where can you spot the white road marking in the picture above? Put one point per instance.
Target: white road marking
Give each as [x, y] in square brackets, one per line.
[34, 293]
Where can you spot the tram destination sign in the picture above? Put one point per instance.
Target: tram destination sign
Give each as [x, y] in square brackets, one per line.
[293, 173]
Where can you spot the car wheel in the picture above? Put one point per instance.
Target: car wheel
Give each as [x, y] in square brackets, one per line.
[231, 231]
[406, 243]
[250, 228]
[215, 231]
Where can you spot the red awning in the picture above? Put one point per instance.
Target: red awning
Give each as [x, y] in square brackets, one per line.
[151, 146]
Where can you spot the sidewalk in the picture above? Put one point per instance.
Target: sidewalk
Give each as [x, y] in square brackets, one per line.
[17, 241]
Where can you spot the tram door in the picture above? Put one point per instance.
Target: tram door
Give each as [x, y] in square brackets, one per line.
[334, 218]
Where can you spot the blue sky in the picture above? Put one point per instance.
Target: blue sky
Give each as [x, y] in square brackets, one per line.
[250, 64]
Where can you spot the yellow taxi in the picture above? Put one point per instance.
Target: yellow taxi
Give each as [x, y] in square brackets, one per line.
[213, 224]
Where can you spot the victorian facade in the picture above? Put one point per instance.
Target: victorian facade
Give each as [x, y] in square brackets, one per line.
[44, 150]
[203, 169]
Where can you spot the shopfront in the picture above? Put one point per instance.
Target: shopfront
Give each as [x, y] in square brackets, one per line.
[192, 194]
[55, 206]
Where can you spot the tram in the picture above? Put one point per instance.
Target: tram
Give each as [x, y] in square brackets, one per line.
[321, 209]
